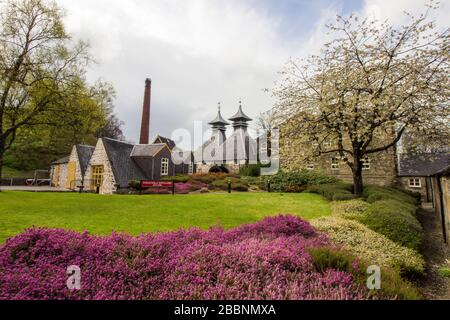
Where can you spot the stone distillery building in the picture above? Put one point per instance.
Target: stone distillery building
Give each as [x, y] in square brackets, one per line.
[390, 167]
[110, 165]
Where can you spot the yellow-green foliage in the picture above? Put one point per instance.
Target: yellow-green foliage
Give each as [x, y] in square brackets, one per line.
[370, 246]
[392, 218]
[350, 209]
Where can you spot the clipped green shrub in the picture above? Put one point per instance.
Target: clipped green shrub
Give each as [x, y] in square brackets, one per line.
[134, 184]
[250, 170]
[177, 178]
[375, 193]
[333, 191]
[326, 258]
[370, 246]
[352, 209]
[283, 181]
[239, 187]
[236, 185]
[396, 221]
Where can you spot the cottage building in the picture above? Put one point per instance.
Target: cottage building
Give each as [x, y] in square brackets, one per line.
[415, 171]
[58, 172]
[154, 160]
[111, 167]
[69, 172]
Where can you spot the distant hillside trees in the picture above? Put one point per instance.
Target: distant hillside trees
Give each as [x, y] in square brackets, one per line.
[46, 105]
[367, 87]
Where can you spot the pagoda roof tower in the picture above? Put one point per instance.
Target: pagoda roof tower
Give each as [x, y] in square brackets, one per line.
[219, 123]
[240, 119]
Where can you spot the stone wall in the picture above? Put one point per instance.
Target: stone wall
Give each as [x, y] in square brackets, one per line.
[425, 190]
[100, 157]
[74, 158]
[293, 151]
[62, 175]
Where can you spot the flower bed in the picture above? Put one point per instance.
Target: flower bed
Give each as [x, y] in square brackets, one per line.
[267, 260]
[373, 247]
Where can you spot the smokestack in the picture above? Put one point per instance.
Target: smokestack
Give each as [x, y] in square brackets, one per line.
[145, 126]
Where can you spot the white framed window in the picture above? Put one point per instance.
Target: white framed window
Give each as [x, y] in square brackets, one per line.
[335, 164]
[191, 168]
[310, 167]
[366, 163]
[415, 183]
[164, 167]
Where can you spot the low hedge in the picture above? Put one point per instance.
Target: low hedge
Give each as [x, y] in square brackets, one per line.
[396, 221]
[250, 170]
[177, 178]
[336, 259]
[391, 218]
[236, 185]
[295, 181]
[333, 191]
[374, 193]
[370, 246]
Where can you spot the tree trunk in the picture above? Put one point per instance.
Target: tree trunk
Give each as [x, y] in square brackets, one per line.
[358, 186]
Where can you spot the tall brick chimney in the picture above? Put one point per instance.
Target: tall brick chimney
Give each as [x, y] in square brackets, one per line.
[145, 126]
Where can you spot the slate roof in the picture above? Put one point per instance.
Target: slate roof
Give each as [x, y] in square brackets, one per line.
[422, 165]
[84, 156]
[147, 150]
[123, 166]
[240, 115]
[219, 120]
[61, 161]
[444, 172]
[170, 143]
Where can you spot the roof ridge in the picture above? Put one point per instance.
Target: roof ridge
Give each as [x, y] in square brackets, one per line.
[115, 140]
[85, 145]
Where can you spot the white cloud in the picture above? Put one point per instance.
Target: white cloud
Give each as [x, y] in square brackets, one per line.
[197, 52]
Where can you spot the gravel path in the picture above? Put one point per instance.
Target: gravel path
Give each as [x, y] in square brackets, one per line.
[433, 286]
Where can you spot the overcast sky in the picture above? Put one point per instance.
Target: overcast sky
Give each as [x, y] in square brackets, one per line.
[200, 52]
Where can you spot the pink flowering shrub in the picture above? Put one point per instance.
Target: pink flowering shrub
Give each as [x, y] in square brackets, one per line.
[266, 260]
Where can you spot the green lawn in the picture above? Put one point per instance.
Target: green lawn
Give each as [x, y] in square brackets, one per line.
[136, 214]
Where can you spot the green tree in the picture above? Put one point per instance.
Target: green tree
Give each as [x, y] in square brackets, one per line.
[79, 119]
[42, 72]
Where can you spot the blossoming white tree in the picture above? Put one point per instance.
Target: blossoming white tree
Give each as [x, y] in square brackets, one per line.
[367, 88]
